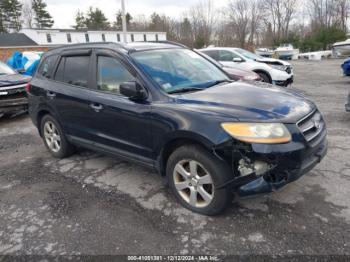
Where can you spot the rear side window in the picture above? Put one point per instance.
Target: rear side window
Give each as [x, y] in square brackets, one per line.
[227, 56]
[212, 53]
[73, 70]
[47, 66]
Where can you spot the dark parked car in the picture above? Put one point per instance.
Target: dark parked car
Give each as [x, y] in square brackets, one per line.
[169, 108]
[347, 106]
[13, 97]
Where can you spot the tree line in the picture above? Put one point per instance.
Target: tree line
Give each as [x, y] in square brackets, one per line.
[309, 25]
[14, 15]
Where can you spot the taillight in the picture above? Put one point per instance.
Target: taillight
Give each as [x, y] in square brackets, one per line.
[27, 87]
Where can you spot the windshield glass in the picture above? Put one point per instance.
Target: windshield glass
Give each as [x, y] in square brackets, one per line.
[247, 54]
[6, 70]
[179, 69]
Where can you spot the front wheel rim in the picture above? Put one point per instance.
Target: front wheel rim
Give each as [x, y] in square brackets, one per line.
[193, 183]
[52, 136]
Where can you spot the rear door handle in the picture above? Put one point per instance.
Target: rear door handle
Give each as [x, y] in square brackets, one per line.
[96, 107]
[51, 94]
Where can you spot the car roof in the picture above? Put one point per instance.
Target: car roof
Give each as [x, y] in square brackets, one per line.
[219, 48]
[126, 48]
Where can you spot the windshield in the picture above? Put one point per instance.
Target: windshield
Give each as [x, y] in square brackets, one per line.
[179, 69]
[6, 70]
[247, 54]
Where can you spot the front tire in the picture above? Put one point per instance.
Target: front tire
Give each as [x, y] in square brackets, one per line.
[265, 78]
[54, 138]
[194, 176]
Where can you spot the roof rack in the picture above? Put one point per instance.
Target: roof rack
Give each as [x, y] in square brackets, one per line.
[87, 44]
[168, 42]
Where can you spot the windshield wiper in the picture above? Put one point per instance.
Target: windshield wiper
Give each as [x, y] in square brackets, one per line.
[219, 82]
[185, 89]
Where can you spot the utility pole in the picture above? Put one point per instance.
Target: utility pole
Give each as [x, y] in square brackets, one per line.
[123, 21]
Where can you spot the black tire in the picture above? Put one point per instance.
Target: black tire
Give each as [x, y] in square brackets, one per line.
[265, 78]
[66, 149]
[219, 172]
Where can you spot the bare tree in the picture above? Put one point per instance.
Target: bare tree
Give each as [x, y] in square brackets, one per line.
[202, 19]
[279, 14]
[28, 14]
[239, 16]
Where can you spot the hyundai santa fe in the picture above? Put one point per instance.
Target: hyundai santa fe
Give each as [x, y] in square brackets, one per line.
[165, 106]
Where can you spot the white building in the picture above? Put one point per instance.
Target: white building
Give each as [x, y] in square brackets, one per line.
[48, 37]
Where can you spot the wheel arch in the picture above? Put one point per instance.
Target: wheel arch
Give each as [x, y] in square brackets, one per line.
[177, 141]
[263, 72]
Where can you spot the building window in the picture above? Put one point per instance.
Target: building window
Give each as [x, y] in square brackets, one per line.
[132, 38]
[145, 38]
[157, 37]
[48, 38]
[118, 37]
[103, 38]
[69, 38]
[87, 38]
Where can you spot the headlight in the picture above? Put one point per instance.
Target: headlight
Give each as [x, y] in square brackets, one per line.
[279, 67]
[262, 133]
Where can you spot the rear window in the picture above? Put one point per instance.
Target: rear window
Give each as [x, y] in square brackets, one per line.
[47, 66]
[73, 70]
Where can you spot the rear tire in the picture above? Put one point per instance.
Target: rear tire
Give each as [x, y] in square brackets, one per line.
[194, 176]
[265, 78]
[54, 138]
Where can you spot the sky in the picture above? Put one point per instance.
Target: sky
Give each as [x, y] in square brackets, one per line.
[63, 11]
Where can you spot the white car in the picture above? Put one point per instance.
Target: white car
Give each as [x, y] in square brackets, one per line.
[271, 70]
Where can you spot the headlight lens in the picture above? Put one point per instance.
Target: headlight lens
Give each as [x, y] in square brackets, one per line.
[262, 133]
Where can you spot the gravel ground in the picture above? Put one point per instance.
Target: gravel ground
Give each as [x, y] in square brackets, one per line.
[92, 204]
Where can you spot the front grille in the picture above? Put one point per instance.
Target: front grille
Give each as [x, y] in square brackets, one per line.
[312, 127]
[12, 94]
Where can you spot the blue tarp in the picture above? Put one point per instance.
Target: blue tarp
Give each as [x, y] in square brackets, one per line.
[26, 62]
[346, 67]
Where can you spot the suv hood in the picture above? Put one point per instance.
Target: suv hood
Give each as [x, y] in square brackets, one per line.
[15, 79]
[248, 102]
[273, 61]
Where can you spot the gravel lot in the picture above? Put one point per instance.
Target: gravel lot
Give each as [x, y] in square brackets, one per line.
[93, 204]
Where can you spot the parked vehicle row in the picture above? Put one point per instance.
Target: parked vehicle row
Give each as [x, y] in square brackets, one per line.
[13, 97]
[271, 70]
[170, 108]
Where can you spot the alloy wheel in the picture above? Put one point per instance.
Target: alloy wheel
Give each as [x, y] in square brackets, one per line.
[193, 183]
[52, 136]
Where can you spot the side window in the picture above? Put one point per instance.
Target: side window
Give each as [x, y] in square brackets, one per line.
[212, 53]
[76, 70]
[111, 73]
[46, 67]
[228, 56]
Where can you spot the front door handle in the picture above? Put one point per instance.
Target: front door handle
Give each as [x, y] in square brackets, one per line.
[96, 107]
[50, 94]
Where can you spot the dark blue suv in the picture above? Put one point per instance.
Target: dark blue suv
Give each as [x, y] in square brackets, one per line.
[165, 106]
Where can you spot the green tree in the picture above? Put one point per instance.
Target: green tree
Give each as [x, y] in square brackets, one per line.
[11, 11]
[80, 20]
[118, 23]
[41, 16]
[96, 19]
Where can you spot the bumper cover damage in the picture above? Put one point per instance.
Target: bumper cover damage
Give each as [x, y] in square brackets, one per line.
[283, 164]
[266, 184]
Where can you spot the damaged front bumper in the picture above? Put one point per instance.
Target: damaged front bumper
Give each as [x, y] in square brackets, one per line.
[269, 182]
[13, 105]
[274, 165]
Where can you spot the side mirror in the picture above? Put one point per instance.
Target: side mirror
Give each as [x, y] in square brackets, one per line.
[237, 60]
[133, 90]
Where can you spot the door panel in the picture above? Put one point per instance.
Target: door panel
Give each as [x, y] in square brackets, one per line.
[121, 123]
